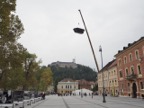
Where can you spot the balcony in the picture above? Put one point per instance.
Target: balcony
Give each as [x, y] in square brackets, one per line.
[131, 77]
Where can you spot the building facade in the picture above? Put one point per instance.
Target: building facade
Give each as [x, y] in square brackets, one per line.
[84, 84]
[103, 79]
[113, 79]
[130, 68]
[66, 86]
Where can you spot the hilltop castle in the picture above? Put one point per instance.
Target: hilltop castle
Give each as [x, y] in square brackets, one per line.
[65, 64]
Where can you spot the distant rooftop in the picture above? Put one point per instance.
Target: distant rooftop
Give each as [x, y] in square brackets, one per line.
[64, 64]
[107, 65]
[129, 45]
[67, 80]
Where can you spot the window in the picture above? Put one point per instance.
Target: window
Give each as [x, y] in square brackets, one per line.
[139, 69]
[125, 60]
[126, 72]
[109, 73]
[132, 70]
[130, 57]
[119, 61]
[115, 82]
[121, 75]
[114, 72]
[137, 54]
[141, 85]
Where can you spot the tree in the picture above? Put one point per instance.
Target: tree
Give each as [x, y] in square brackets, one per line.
[18, 67]
[6, 7]
[11, 28]
[45, 79]
[31, 66]
[95, 88]
[15, 79]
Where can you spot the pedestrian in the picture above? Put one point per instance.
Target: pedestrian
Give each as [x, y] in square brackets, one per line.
[43, 95]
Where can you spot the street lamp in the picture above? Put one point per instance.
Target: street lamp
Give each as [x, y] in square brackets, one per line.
[80, 87]
[81, 31]
[81, 92]
[100, 50]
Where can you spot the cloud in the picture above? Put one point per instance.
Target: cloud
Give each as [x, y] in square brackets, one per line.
[49, 28]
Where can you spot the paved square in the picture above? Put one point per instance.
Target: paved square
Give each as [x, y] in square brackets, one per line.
[54, 101]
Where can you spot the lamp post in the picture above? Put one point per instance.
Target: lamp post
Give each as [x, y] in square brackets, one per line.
[81, 93]
[100, 50]
[81, 31]
[81, 90]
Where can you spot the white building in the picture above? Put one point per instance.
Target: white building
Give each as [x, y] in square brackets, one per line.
[66, 86]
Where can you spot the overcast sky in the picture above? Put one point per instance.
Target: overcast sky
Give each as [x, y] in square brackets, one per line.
[49, 28]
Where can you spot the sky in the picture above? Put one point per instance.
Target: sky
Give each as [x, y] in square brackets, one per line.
[49, 28]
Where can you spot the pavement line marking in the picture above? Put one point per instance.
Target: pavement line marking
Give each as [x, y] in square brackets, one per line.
[92, 103]
[65, 103]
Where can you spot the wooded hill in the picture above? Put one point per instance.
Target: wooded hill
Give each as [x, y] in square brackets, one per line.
[81, 72]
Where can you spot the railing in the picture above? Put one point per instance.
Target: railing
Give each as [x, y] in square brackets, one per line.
[131, 76]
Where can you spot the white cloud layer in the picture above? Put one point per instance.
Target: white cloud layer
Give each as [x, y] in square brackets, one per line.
[49, 28]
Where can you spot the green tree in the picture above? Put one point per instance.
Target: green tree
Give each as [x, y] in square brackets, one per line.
[6, 7]
[11, 28]
[95, 88]
[31, 66]
[15, 79]
[45, 79]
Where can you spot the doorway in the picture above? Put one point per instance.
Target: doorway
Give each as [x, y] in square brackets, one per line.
[134, 90]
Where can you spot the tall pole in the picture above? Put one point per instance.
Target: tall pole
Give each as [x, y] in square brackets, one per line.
[81, 90]
[94, 54]
[100, 50]
[90, 42]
